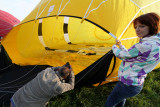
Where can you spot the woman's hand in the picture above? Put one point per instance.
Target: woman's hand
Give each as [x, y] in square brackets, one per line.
[118, 42]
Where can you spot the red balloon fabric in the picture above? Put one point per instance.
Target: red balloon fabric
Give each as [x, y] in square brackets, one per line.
[7, 21]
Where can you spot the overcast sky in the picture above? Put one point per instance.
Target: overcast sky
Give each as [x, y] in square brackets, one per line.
[18, 8]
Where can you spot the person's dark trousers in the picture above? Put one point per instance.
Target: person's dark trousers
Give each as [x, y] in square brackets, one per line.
[119, 94]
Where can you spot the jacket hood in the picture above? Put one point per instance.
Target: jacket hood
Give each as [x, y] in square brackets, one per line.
[155, 38]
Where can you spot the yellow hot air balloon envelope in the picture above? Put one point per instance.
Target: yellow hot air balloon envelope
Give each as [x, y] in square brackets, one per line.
[76, 31]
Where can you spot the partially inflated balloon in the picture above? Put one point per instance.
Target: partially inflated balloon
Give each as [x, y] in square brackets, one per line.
[7, 22]
[76, 31]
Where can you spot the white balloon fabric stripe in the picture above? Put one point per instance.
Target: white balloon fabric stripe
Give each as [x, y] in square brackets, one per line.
[40, 36]
[65, 29]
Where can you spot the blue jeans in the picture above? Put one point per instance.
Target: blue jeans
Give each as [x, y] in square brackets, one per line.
[118, 96]
[12, 103]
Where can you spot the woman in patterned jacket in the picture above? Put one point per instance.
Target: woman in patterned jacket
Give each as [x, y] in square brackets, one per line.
[137, 61]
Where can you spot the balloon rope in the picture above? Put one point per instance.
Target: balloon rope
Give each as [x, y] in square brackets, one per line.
[96, 8]
[19, 77]
[6, 67]
[60, 7]
[63, 7]
[135, 3]
[7, 91]
[129, 38]
[3, 88]
[44, 8]
[88, 9]
[38, 10]
[3, 95]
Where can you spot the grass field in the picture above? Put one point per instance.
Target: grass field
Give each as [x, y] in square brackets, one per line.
[96, 96]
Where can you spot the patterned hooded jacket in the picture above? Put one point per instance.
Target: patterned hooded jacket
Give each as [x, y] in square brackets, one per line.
[139, 60]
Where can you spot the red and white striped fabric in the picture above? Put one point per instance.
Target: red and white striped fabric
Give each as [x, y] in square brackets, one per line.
[7, 21]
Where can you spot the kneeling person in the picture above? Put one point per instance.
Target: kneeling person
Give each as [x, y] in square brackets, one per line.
[47, 84]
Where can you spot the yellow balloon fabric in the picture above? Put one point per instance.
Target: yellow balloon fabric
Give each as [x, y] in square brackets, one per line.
[75, 31]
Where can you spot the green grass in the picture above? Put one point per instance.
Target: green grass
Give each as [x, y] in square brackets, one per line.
[96, 96]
